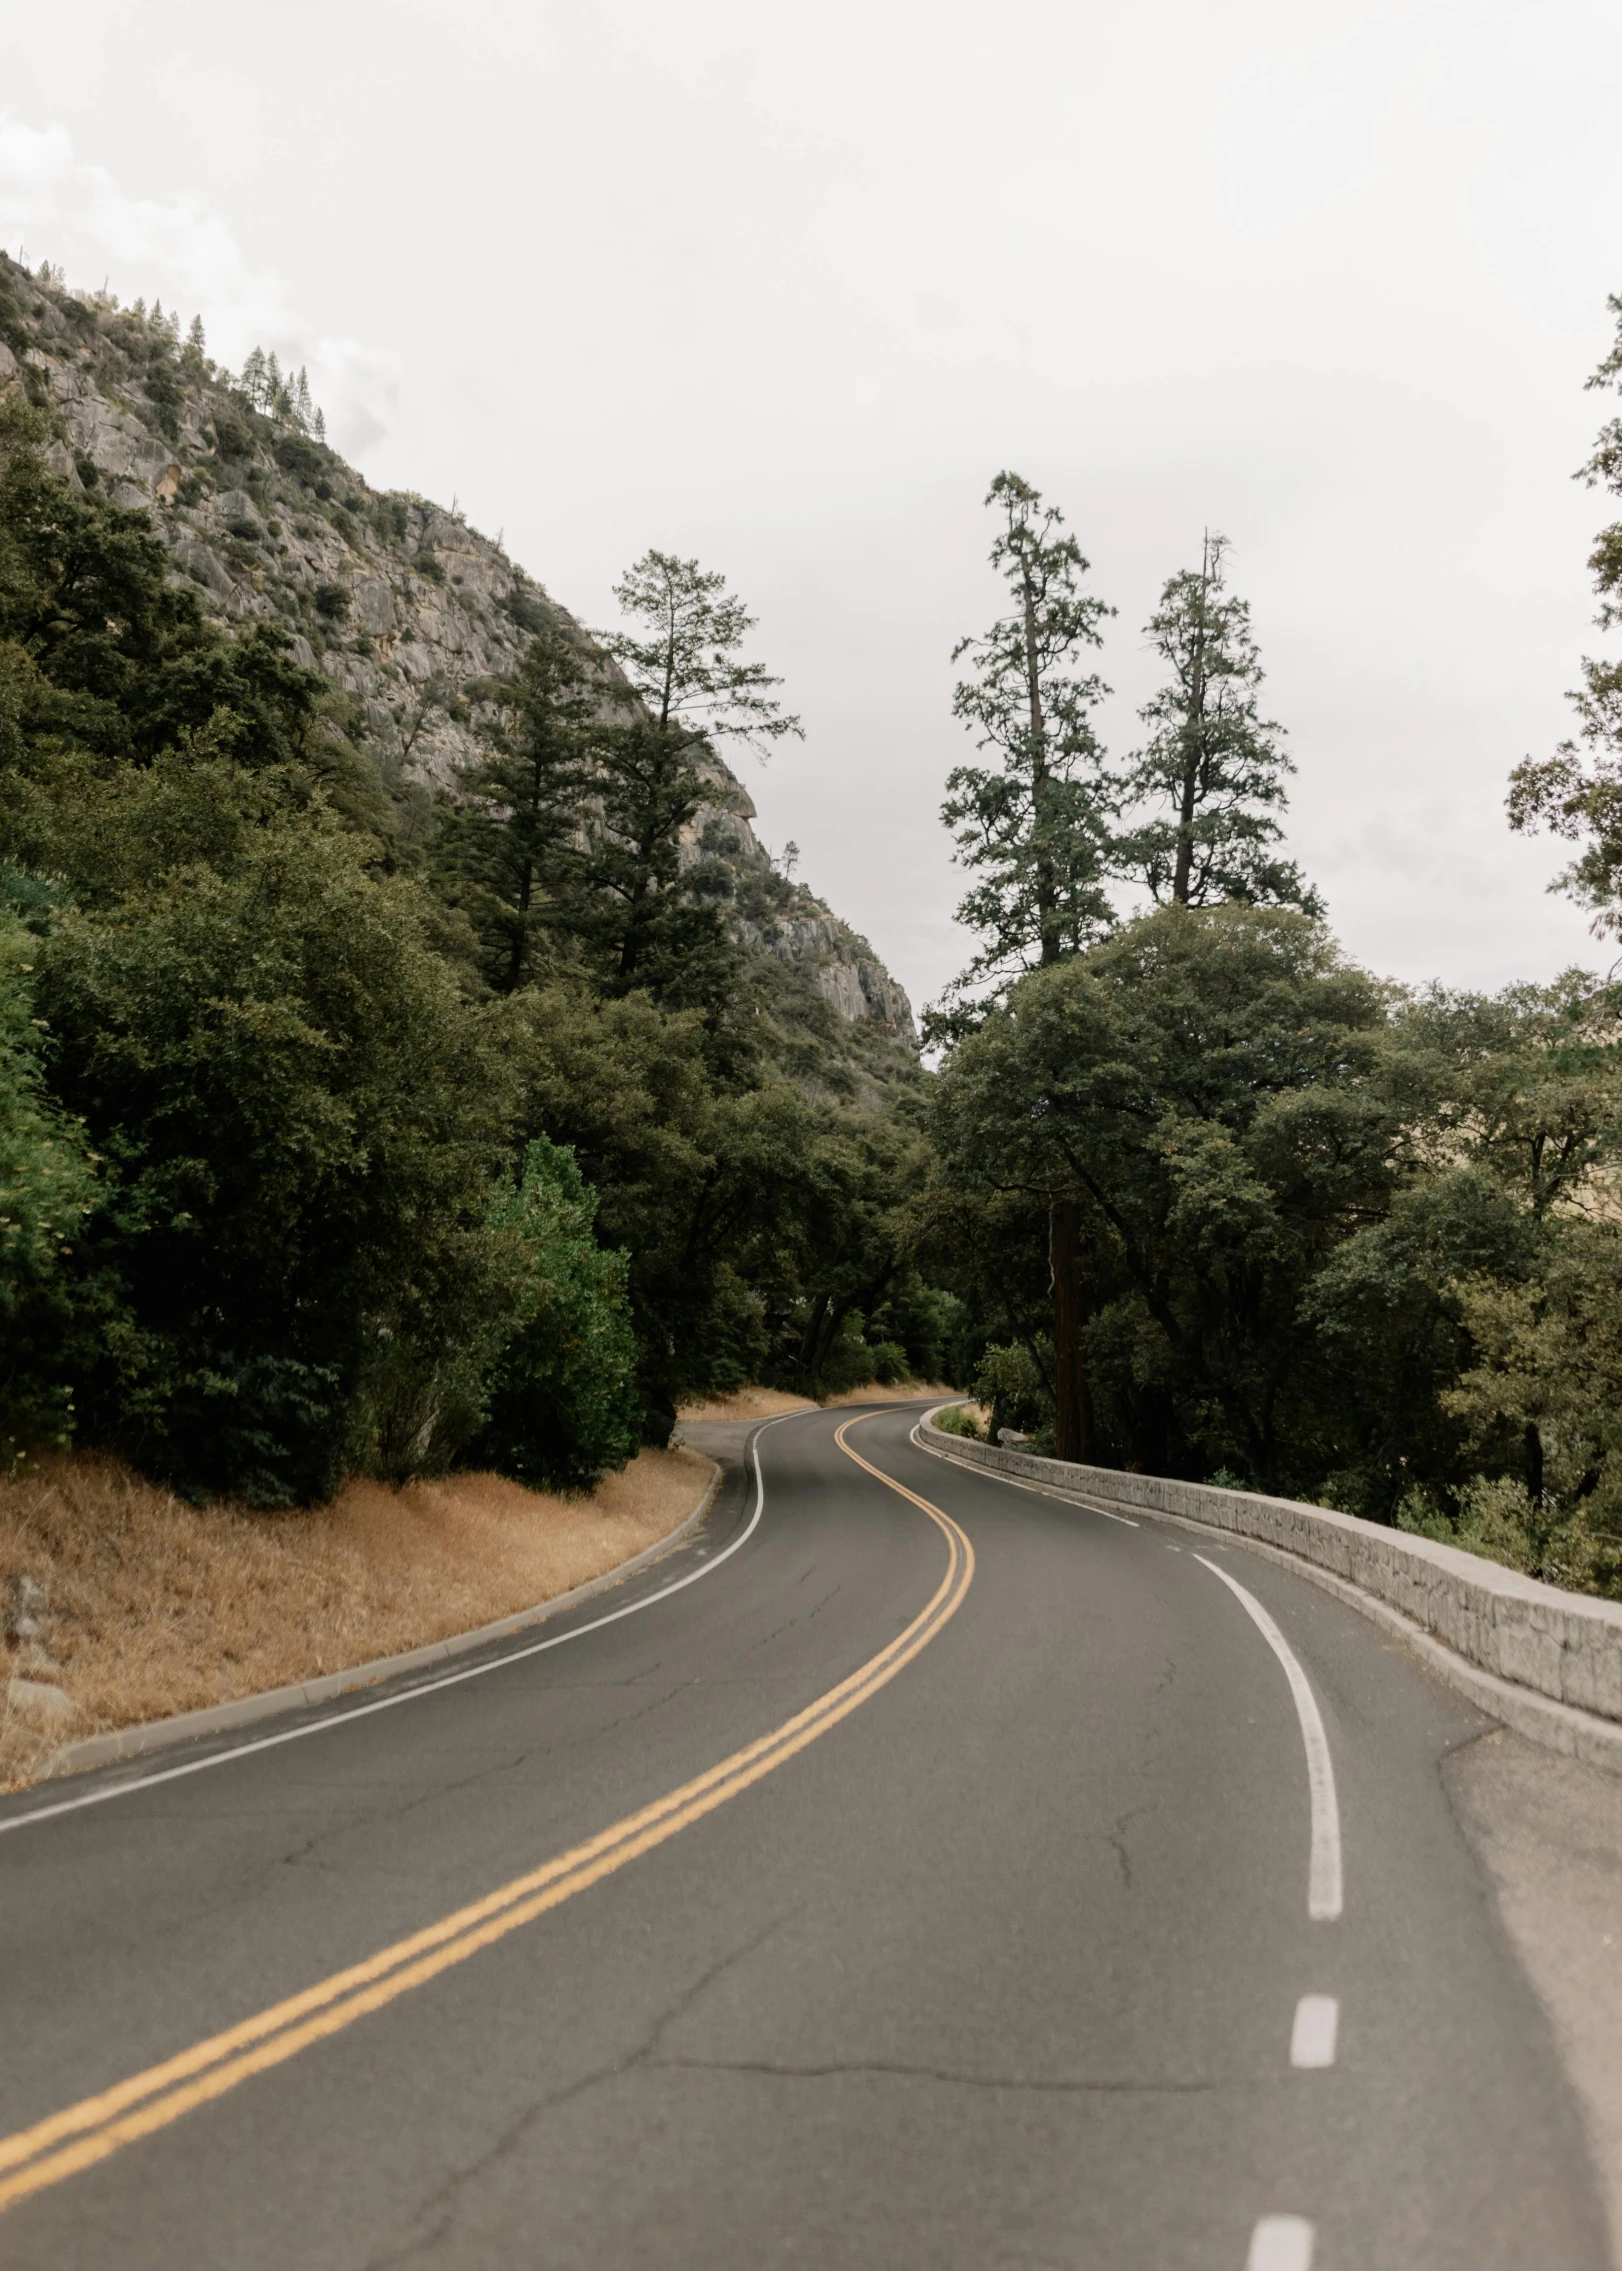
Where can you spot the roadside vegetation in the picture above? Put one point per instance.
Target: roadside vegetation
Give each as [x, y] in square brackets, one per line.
[1219, 1203]
[138, 1605]
[329, 1156]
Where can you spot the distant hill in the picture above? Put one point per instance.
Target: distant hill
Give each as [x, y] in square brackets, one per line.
[395, 599]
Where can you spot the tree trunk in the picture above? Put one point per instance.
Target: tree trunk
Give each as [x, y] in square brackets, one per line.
[1185, 831]
[1533, 1443]
[1193, 739]
[1047, 897]
[1072, 1431]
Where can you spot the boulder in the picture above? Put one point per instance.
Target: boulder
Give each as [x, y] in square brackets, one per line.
[39, 1701]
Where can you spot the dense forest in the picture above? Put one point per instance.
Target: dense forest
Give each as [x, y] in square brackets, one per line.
[400, 1071]
[358, 1119]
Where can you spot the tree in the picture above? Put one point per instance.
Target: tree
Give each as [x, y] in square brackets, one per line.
[647, 916]
[686, 1175]
[510, 840]
[1037, 824]
[302, 1120]
[1203, 1088]
[1212, 765]
[562, 1395]
[1577, 793]
[1509, 1108]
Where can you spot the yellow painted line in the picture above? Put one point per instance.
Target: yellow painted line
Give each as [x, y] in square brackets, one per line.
[99, 2126]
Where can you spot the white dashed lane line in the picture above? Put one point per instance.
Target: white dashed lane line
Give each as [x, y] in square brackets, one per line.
[1281, 2243]
[1312, 2038]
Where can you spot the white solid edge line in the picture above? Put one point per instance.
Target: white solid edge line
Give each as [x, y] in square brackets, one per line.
[1312, 2038]
[1281, 2243]
[410, 1695]
[1014, 1482]
[1324, 1885]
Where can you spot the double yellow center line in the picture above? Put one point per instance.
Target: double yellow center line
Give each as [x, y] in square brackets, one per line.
[83, 2134]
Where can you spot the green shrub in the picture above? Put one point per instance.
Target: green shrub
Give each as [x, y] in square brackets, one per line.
[331, 602]
[563, 1406]
[1010, 1381]
[957, 1419]
[305, 460]
[523, 606]
[233, 436]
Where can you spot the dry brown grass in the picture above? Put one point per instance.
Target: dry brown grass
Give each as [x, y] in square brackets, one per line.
[156, 1607]
[747, 1403]
[766, 1403]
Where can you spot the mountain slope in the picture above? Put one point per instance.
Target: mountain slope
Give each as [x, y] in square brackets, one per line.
[398, 602]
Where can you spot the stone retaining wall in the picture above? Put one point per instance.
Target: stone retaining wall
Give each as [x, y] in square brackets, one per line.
[1561, 1645]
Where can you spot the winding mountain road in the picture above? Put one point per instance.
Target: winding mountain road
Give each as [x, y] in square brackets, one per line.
[910, 1870]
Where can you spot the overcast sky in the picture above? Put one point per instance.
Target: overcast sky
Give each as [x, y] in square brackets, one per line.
[783, 287]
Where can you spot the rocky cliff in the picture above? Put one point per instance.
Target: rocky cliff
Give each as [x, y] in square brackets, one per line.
[417, 616]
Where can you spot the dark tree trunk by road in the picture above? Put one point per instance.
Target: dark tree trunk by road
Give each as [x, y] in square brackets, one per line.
[1072, 1429]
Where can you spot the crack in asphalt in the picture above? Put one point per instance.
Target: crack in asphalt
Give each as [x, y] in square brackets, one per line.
[805, 1617]
[836, 2069]
[1116, 1837]
[446, 2197]
[399, 1807]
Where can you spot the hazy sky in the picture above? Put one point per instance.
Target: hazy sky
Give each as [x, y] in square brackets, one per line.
[783, 287]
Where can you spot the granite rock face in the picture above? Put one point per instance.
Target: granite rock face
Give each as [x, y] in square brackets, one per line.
[417, 616]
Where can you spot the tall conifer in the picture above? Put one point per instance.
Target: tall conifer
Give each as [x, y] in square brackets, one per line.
[1212, 774]
[1037, 827]
[1036, 823]
[645, 911]
[509, 846]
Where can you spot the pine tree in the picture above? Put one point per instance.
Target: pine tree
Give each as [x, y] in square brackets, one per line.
[1038, 827]
[254, 377]
[194, 337]
[1213, 770]
[647, 916]
[510, 845]
[1037, 824]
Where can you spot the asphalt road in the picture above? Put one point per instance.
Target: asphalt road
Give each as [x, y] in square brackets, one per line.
[929, 1889]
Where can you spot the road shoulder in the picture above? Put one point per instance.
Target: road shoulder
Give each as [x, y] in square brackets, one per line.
[1548, 1831]
[140, 1740]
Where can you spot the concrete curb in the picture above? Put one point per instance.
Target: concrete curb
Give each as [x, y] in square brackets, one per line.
[1523, 1703]
[220, 1718]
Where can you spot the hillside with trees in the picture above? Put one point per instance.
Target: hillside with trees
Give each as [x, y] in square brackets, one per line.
[409, 1055]
[410, 1058]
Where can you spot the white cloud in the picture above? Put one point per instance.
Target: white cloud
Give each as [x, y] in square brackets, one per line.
[59, 207]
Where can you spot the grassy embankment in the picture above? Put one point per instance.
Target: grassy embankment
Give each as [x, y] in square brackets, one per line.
[152, 1606]
[766, 1403]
